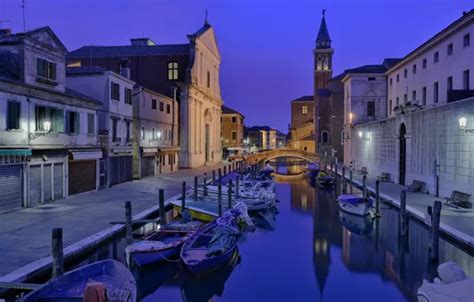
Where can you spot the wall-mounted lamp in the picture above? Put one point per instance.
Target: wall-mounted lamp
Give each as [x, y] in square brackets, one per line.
[360, 134]
[46, 130]
[463, 124]
[158, 134]
[351, 118]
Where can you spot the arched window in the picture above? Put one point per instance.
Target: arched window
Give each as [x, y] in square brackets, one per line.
[172, 71]
[324, 137]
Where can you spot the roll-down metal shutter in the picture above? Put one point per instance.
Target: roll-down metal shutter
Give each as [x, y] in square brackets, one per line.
[11, 188]
[35, 185]
[114, 170]
[47, 194]
[58, 180]
[148, 166]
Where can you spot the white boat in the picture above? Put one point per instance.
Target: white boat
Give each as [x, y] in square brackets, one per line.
[355, 205]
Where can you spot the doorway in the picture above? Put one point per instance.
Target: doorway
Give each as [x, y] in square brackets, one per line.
[403, 154]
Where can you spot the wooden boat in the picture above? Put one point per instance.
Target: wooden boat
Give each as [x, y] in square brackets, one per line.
[117, 279]
[355, 205]
[161, 244]
[360, 225]
[311, 171]
[194, 252]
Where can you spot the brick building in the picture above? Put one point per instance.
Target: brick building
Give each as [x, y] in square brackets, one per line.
[232, 128]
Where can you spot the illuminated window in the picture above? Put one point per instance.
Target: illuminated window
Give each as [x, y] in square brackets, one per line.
[304, 109]
[172, 71]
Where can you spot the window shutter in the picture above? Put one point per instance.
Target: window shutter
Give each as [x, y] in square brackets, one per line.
[52, 67]
[76, 123]
[39, 67]
[68, 121]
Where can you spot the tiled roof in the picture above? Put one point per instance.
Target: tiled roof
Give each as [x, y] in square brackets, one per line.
[227, 110]
[128, 50]
[306, 98]
[378, 68]
[85, 70]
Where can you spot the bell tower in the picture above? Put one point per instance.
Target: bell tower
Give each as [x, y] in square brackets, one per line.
[322, 56]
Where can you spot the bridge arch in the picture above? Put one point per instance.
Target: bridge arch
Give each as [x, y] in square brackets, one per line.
[287, 152]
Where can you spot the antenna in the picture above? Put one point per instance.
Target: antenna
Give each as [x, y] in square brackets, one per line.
[23, 5]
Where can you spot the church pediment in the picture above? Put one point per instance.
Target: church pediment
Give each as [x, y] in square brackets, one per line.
[47, 37]
[208, 38]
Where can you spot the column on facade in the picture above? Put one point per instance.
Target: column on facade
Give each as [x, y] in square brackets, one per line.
[201, 140]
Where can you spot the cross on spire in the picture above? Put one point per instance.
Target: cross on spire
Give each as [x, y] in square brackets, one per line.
[205, 20]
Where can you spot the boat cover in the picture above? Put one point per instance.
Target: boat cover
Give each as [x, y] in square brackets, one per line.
[352, 199]
[461, 291]
[230, 176]
[223, 239]
[313, 166]
[450, 272]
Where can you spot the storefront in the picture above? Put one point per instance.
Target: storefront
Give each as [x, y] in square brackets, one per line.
[83, 169]
[167, 159]
[120, 165]
[12, 178]
[148, 162]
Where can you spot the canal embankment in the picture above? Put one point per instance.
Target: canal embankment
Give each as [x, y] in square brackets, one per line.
[85, 219]
[455, 224]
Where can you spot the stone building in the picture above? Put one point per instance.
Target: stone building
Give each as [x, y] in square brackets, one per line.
[424, 137]
[187, 72]
[260, 138]
[155, 132]
[48, 136]
[328, 98]
[232, 128]
[115, 118]
[302, 129]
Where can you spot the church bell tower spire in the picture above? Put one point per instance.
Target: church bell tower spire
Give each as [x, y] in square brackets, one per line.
[323, 55]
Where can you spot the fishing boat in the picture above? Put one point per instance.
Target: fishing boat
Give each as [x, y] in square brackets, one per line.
[117, 280]
[355, 205]
[311, 170]
[360, 225]
[162, 244]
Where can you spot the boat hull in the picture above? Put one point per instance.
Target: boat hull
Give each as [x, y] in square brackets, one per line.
[359, 209]
[149, 258]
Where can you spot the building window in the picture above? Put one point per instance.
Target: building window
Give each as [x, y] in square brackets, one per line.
[168, 108]
[13, 115]
[450, 49]
[466, 40]
[423, 99]
[391, 81]
[371, 109]
[405, 98]
[390, 107]
[128, 96]
[371, 79]
[450, 84]
[51, 115]
[435, 92]
[405, 73]
[46, 69]
[234, 119]
[162, 106]
[342, 137]
[142, 133]
[115, 91]
[413, 95]
[304, 109]
[90, 123]
[398, 78]
[234, 135]
[436, 57]
[153, 134]
[172, 71]
[324, 137]
[465, 79]
[208, 79]
[72, 122]
[423, 65]
[414, 69]
[153, 104]
[397, 102]
[127, 128]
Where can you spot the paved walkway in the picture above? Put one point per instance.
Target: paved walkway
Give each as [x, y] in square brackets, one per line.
[25, 235]
[457, 224]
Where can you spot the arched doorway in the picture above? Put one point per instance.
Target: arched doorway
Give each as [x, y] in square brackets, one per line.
[403, 154]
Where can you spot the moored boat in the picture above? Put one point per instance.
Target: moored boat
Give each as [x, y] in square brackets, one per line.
[355, 205]
[324, 180]
[117, 280]
[360, 225]
[311, 170]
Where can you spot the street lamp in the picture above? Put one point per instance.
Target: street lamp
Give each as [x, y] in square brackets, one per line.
[46, 130]
[463, 124]
[360, 134]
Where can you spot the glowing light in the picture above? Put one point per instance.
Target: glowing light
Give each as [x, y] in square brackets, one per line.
[47, 126]
[360, 134]
[462, 123]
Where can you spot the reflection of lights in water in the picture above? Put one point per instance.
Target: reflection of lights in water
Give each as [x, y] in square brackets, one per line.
[304, 201]
[321, 246]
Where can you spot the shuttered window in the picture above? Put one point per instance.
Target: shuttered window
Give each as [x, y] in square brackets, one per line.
[13, 115]
[52, 115]
[90, 123]
[128, 96]
[46, 69]
[115, 91]
[72, 119]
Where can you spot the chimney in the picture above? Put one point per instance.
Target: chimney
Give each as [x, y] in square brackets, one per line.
[5, 32]
[125, 68]
[142, 42]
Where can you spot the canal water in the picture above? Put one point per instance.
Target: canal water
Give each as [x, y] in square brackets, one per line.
[305, 252]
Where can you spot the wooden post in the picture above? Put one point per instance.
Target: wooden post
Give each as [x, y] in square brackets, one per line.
[219, 199]
[336, 179]
[219, 175]
[403, 213]
[237, 187]
[364, 186]
[350, 182]
[57, 252]
[230, 168]
[332, 167]
[183, 197]
[205, 184]
[195, 188]
[344, 182]
[225, 170]
[229, 195]
[128, 221]
[161, 201]
[377, 198]
[213, 176]
[435, 219]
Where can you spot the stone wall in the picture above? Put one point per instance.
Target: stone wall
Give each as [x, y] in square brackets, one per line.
[433, 136]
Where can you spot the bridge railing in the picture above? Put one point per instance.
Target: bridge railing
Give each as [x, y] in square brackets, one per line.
[287, 152]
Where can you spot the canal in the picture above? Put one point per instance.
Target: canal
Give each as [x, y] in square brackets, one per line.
[308, 252]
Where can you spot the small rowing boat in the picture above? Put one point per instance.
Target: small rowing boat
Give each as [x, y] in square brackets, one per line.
[355, 205]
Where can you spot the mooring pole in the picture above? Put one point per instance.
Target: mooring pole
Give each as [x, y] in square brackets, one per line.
[435, 219]
[219, 175]
[403, 213]
[213, 176]
[237, 187]
[219, 200]
[161, 201]
[364, 186]
[205, 184]
[229, 195]
[57, 252]
[128, 221]
[225, 170]
[350, 182]
[377, 198]
[344, 182]
[183, 197]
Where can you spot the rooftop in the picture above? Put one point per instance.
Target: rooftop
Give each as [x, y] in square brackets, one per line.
[84, 70]
[228, 110]
[129, 50]
[306, 98]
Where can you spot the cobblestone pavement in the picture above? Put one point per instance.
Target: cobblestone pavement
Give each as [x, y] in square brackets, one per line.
[25, 235]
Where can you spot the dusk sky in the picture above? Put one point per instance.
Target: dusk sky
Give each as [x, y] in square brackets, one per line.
[266, 45]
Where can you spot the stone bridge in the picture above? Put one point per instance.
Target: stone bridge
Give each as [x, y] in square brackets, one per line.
[287, 152]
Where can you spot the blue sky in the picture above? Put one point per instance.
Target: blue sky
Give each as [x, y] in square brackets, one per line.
[266, 45]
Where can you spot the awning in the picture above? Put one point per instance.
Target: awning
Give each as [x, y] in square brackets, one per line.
[86, 154]
[122, 150]
[15, 152]
[149, 151]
